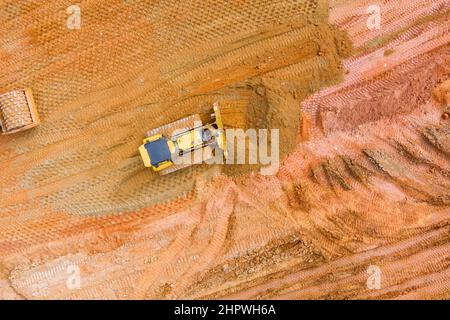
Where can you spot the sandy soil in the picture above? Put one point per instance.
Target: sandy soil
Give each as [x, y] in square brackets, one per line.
[365, 148]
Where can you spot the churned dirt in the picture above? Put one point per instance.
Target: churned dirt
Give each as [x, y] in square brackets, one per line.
[364, 144]
[442, 93]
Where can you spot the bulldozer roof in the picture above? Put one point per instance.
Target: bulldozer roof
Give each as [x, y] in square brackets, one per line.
[158, 151]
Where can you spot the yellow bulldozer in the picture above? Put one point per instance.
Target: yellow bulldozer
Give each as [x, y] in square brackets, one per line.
[173, 146]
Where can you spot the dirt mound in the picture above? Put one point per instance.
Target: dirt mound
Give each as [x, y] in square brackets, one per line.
[275, 98]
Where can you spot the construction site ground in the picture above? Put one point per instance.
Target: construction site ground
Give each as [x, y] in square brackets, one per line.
[364, 178]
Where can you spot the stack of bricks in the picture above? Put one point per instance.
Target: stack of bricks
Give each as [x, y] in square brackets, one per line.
[15, 111]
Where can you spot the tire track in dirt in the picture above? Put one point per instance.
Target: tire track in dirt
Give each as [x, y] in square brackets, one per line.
[344, 199]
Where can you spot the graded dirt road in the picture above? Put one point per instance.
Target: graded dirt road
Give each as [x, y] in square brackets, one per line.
[364, 181]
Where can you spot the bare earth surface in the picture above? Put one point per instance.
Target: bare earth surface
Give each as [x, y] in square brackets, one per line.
[365, 144]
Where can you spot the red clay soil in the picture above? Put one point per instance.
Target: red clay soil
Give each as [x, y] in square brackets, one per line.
[366, 181]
